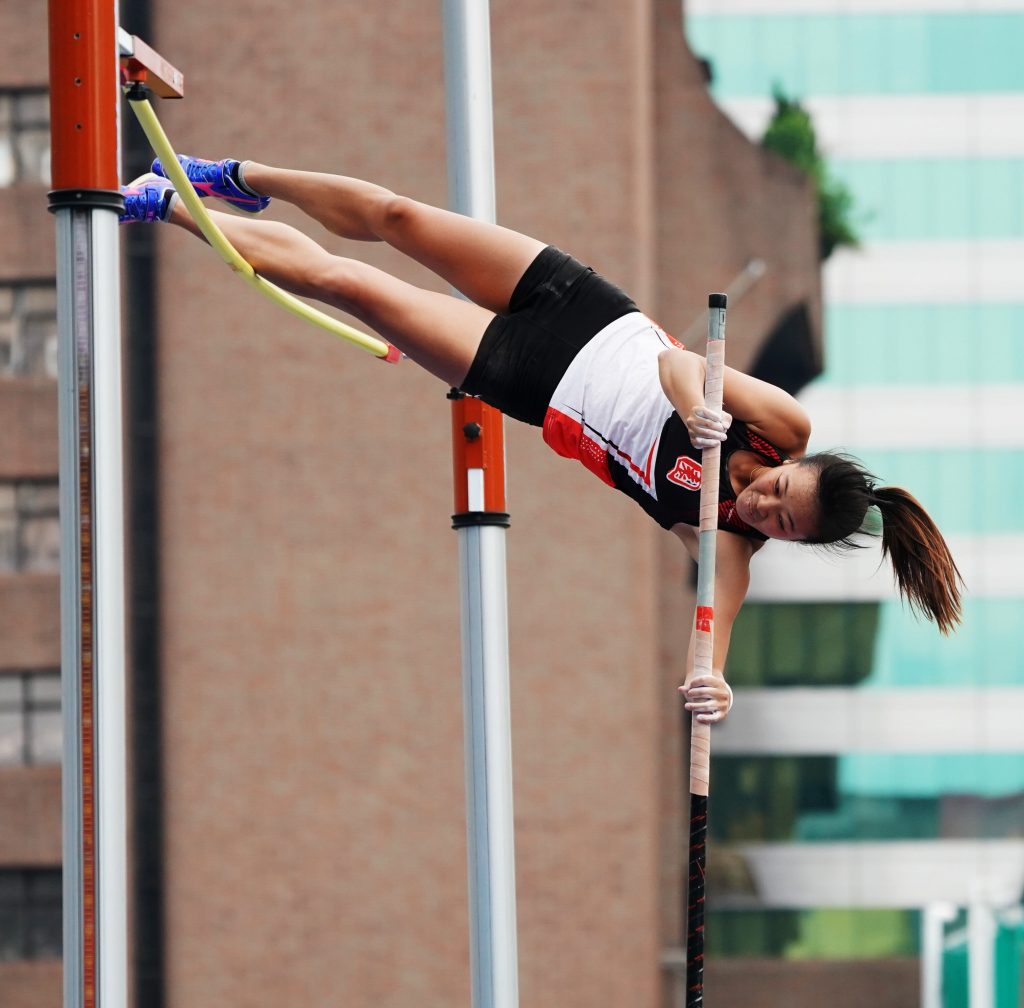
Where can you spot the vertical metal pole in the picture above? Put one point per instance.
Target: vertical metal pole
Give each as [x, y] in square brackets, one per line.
[703, 653]
[981, 955]
[481, 520]
[85, 199]
[934, 918]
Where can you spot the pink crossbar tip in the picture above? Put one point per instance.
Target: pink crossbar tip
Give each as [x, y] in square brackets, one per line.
[393, 356]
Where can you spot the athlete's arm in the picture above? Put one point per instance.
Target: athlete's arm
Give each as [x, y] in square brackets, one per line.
[765, 408]
[732, 578]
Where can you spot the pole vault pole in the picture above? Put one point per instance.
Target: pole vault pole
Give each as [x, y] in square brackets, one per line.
[86, 202]
[480, 521]
[704, 637]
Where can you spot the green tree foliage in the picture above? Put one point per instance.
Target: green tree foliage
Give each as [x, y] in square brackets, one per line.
[791, 135]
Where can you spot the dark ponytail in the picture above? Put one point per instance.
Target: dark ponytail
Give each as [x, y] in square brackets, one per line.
[925, 570]
[926, 574]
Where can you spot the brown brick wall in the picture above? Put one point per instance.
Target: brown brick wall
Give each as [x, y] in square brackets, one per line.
[30, 984]
[723, 203]
[23, 213]
[23, 46]
[30, 620]
[30, 820]
[28, 429]
[30, 802]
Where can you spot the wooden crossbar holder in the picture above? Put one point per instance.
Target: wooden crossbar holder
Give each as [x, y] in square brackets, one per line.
[142, 64]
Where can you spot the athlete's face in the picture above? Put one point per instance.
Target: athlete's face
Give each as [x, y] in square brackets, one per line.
[781, 503]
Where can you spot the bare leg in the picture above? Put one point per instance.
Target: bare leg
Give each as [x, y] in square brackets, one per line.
[440, 332]
[483, 261]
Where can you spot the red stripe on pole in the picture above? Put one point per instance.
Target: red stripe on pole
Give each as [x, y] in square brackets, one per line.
[83, 94]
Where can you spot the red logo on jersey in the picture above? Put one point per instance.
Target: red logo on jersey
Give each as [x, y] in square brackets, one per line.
[686, 473]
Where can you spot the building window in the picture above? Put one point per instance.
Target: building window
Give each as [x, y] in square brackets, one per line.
[29, 527]
[30, 720]
[24, 136]
[809, 644]
[30, 913]
[28, 329]
[827, 933]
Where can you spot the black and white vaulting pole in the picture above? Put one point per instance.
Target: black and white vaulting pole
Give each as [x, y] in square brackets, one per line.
[704, 633]
[481, 520]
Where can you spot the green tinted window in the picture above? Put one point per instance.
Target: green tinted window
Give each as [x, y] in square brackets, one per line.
[828, 644]
[851, 54]
[922, 344]
[983, 651]
[774, 799]
[935, 198]
[813, 934]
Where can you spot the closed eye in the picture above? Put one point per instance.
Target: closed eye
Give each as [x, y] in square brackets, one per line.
[780, 492]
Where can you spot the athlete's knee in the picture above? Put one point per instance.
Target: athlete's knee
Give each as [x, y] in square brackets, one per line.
[395, 213]
[342, 282]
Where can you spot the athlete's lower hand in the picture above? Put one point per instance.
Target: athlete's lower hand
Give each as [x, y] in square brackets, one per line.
[707, 427]
[708, 698]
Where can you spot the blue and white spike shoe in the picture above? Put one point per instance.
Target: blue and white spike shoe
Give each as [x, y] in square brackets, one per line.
[147, 200]
[220, 179]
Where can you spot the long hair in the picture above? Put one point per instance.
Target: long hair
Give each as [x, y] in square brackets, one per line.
[926, 574]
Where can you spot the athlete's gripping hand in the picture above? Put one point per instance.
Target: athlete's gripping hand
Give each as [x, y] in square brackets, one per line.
[708, 698]
[707, 427]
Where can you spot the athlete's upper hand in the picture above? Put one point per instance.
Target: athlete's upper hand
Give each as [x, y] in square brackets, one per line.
[707, 427]
[708, 697]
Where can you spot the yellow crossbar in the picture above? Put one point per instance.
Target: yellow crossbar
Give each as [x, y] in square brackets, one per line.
[213, 234]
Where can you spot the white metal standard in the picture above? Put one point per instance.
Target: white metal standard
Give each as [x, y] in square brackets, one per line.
[493, 955]
[92, 608]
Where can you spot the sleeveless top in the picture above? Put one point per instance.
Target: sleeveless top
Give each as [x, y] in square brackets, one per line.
[610, 413]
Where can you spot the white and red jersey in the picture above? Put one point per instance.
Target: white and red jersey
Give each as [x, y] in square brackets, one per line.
[610, 413]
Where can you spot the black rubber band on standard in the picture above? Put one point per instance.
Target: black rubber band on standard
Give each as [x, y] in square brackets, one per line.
[469, 519]
[86, 199]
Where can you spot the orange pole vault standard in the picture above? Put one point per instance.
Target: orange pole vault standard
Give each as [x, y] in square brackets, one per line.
[83, 96]
[478, 457]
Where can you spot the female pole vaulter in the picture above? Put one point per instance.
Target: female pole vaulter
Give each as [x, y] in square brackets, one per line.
[549, 342]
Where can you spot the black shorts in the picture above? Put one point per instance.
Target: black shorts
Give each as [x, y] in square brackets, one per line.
[558, 306]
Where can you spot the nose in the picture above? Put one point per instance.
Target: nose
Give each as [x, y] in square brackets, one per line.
[765, 506]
